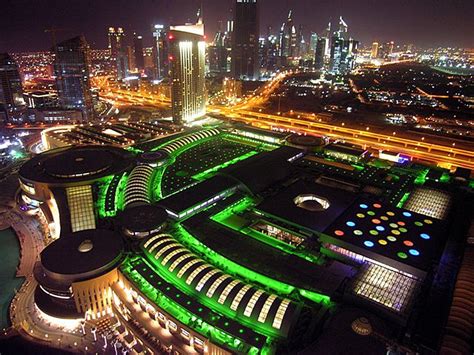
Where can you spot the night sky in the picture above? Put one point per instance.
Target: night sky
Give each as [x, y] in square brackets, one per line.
[425, 23]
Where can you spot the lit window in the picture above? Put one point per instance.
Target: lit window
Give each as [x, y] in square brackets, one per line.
[238, 297]
[195, 272]
[216, 284]
[81, 207]
[180, 259]
[280, 314]
[266, 308]
[227, 290]
[187, 266]
[251, 303]
[205, 278]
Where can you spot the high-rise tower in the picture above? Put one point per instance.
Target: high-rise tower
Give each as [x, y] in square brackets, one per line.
[245, 64]
[187, 61]
[11, 92]
[71, 68]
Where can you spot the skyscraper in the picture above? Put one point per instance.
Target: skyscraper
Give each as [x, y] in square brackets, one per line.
[288, 38]
[245, 64]
[343, 50]
[138, 49]
[160, 52]
[11, 92]
[374, 53]
[115, 37]
[71, 68]
[217, 53]
[319, 53]
[187, 61]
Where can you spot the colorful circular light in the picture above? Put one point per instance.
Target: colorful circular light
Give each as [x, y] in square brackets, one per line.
[363, 205]
[414, 252]
[339, 233]
[407, 214]
[428, 221]
[358, 232]
[403, 230]
[391, 238]
[390, 213]
[369, 244]
[380, 228]
[373, 232]
[395, 232]
[371, 213]
[377, 205]
[350, 224]
[425, 236]
[402, 255]
[383, 242]
[408, 243]
[360, 215]
[401, 223]
[376, 221]
[419, 224]
[393, 225]
[384, 218]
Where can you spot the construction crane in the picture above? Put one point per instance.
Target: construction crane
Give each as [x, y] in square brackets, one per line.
[53, 31]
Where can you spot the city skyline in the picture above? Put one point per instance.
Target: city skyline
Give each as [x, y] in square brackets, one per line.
[442, 24]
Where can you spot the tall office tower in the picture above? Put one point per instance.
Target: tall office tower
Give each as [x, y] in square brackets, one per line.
[342, 27]
[288, 38]
[132, 67]
[122, 65]
[374, 53]
[245, 37]
[319, 53]
[11, 92]
[327, 50]
[187, 61]
[217, 53]
[300, 42]
[386, 50]
[270, 58]
[160, 52]
[313, 41]
[138, 49]
[115, 40]
[337, 45]
[71, 68]
[228, 44]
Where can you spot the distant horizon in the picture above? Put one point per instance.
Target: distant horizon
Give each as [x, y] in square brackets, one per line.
[425, 24]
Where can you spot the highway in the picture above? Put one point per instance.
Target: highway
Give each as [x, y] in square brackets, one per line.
[443, 151]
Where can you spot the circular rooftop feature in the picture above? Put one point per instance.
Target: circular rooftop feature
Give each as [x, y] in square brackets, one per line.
[82, 255]
[143, 220]
[76, 163]
[155, 159]
[302, 141]
[362, 326]
[85, 246]
[311, 202]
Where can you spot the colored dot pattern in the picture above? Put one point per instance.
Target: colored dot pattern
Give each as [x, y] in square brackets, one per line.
[399, 234]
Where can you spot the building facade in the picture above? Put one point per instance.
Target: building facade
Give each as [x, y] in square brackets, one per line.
[71, 68]
[245, 64]
[187, 58]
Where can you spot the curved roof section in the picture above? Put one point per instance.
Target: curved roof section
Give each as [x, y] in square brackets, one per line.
[267, 312]
[82, 255]
[76, 164]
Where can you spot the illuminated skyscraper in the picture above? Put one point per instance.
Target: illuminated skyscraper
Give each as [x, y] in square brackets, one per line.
[288, 38]
[187, 61]
[138, 49]
[160, 52]
[217, 53]
[245, 64]
[11, 92]
[374, 53]
[71, 68]
[115, 40]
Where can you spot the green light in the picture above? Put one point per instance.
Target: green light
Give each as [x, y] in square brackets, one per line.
[206, 173]
[421, 177]
[404, 199]
[235, 269]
